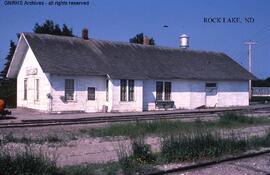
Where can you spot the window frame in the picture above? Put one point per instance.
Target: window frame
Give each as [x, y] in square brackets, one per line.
[107, 90]
[159, 90]
[127, 90]
[92, 95]
[25, 82]
[131, 85]
[167, 92]
[70, 90]
[211, 88]
[37, 85]
[123, 90]
[162, 91]
[211, 85]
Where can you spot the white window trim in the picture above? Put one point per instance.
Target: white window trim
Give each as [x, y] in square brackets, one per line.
[74, 94]
[95, 93]
[163, 92]
[127, 92]
[35, 84]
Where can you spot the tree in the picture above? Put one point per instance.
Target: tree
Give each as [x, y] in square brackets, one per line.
[12, 47]
[48, 27]
[8, 86]
[139, 39]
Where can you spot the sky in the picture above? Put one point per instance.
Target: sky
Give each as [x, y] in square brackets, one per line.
[120, 20]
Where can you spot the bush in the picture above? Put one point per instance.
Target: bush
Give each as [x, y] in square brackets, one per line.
[126, 160]
[142, 152]
[26, 162]
[137, 158]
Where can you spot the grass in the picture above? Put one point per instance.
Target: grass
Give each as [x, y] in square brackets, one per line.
[28, 140]
[26, 162]
[167, 127]
[110, 168]
[138, 159]
[232, 118]
[199, 145]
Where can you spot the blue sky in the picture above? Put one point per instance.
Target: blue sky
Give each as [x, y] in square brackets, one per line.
[119, 20]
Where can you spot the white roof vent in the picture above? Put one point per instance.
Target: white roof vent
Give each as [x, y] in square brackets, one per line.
[184, 41]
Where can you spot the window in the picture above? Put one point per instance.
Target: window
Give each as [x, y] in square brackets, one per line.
[107, 90]
[212, 85]
[69, 89]
[163, 90]
[159, 90]
[127, 85]
[25, 90]
[168, 90]
[123, 90]
[130, 90]
[37, 89]
[91, 93]
[211, 89]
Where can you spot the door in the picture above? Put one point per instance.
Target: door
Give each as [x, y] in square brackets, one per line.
[211, 95]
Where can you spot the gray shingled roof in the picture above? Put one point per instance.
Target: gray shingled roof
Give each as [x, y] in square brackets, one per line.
[75, 56]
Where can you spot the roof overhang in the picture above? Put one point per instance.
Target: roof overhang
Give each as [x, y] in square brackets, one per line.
[18, 57]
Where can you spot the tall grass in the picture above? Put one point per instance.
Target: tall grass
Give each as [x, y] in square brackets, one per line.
[200, 145]
[110, 168]
[26, 162]
[10, 137]
[137, 158]
[167, 127]
[233, 117]
[134, 129]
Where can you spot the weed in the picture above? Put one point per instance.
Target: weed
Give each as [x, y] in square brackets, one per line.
[26, 162]
[53, 139]
[200, 145]
[142, 152]
[228, 118]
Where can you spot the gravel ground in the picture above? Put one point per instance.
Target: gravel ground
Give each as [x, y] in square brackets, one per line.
[259, 165]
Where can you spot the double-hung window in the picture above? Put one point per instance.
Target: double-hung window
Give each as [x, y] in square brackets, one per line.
[163, 90]
[127, 90]
[69, 89]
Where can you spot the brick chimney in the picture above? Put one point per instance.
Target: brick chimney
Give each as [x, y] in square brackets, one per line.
[85, 34]
[146, 40]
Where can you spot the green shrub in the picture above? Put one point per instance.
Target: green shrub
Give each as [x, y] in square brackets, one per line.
[142, 152]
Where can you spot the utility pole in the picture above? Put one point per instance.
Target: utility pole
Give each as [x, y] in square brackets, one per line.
[249, 43]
